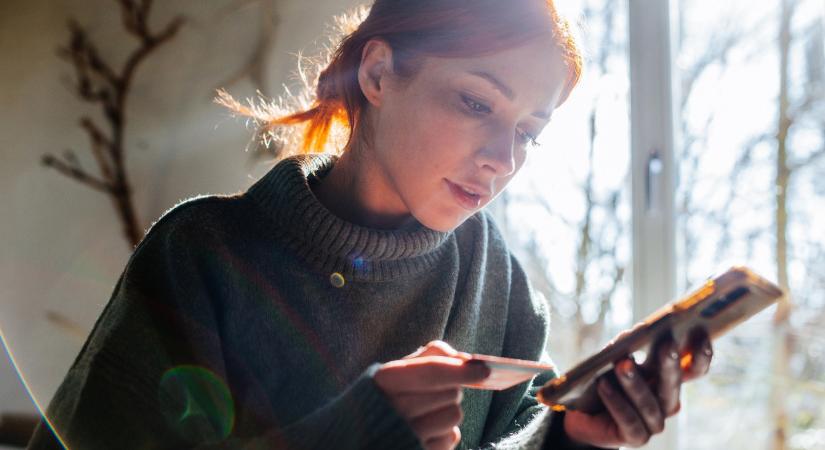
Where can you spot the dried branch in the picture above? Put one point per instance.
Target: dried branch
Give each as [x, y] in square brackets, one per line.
[67, 325]
[101, 147]
[97, 82]
[71, 170]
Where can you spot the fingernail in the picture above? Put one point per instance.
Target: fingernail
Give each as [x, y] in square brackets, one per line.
[707, 351]
[605, 387]
[626, 369]
[674, 355]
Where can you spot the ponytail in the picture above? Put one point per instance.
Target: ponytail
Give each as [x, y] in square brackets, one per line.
[329, 110]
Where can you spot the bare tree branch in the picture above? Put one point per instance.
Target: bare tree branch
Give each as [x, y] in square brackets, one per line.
[76, 173]
[808, 160]
[97, 82]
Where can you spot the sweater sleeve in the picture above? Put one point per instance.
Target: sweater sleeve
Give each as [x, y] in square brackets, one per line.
[517, 420]
[152, 373]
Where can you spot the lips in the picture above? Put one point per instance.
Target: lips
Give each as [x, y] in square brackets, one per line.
[469, 195]
[475, 189]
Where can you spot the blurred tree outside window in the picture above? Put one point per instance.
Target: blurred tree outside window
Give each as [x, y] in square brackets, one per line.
[573, 188]
[750, 158]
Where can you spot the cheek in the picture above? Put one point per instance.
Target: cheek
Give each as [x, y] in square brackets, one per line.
[436, 140]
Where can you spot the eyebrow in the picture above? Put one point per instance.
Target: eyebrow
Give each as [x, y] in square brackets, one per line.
[505, 90]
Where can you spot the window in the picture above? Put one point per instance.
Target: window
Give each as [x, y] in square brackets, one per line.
[661, 171]
[567, 213]
[751, 77]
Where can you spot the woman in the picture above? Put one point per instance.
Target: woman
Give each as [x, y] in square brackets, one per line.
[281, 317]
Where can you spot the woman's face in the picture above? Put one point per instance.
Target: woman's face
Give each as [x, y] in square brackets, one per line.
[449, 140]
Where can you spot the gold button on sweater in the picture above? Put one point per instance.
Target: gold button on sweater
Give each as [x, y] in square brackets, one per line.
[226, 330]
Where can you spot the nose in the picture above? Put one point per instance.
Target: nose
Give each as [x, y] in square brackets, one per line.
[498, 154]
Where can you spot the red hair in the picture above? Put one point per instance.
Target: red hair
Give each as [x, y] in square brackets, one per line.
[445, 28]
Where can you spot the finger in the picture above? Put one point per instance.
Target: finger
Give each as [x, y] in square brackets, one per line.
[631, 427]
[416, 353]
[415, 405]
[599, 430]
[444, 442]
[696, 359]
[428, 374]
[437, 422]
[666, 357]
[641, 397]
[438, 348]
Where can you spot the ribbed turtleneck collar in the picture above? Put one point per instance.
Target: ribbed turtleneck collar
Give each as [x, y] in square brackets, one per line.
[331, 244]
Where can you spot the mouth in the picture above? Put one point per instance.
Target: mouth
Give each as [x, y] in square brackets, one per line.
[469, 198]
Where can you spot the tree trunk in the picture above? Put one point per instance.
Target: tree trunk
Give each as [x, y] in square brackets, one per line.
[782, 315]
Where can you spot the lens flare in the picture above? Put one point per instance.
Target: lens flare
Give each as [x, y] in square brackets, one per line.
[196, 403]
[27, 387]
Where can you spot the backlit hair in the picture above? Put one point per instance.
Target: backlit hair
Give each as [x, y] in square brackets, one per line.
[327, 114]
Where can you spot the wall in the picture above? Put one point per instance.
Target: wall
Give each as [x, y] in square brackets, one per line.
[62, 248]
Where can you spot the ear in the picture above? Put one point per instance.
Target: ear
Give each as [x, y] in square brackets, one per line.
[376, 64]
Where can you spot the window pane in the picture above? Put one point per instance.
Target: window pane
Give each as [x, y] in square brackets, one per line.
[751, 192]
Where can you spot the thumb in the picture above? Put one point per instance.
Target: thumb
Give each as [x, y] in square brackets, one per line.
[438, 348]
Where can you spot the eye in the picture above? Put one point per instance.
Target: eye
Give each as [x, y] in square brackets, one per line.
[528, 139]
[475, 107]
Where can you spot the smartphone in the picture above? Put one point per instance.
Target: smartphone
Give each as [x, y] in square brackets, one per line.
[718, 305]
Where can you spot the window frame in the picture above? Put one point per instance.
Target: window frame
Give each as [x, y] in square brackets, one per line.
[653, 172]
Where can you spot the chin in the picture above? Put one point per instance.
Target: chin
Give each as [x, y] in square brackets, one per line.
[442, 222]
[437, 214]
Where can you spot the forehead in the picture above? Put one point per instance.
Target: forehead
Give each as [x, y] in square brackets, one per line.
[533, 73]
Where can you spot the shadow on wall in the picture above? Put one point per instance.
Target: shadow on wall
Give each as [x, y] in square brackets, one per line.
[67, 252]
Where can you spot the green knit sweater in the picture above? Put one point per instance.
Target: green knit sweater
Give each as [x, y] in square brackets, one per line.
[257, 320]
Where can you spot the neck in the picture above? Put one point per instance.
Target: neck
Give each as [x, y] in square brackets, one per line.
[357, 191]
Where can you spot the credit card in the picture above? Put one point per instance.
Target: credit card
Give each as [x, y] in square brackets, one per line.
[507, 372]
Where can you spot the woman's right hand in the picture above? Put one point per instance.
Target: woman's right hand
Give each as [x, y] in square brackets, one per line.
[425, 389]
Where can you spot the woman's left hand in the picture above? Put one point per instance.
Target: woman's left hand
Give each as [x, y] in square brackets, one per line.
[638, 399]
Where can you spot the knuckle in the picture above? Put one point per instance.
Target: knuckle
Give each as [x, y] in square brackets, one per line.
[457, 396]
[639, 438]
[456, 434]
[652, 410]
[638, 435]
[674, 407]
[434, 444]
[454, 414]
[444, 347]
[658, 425]
[645, 439]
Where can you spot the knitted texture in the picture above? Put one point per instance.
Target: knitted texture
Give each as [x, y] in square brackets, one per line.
[257, 320]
